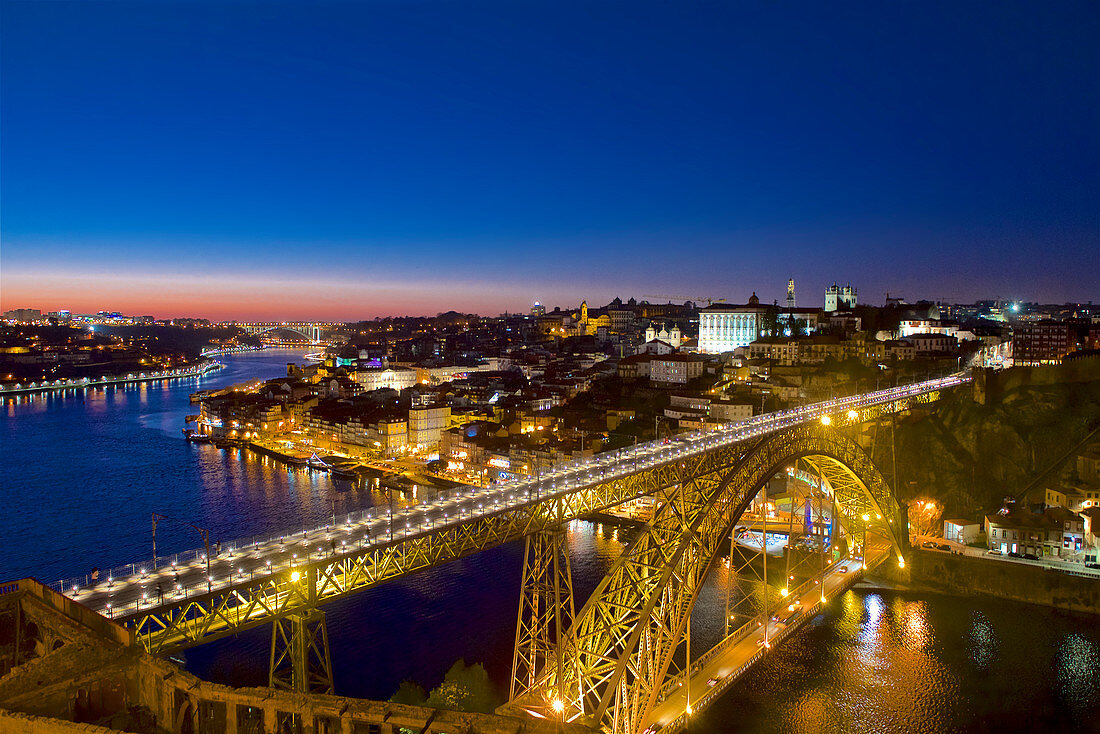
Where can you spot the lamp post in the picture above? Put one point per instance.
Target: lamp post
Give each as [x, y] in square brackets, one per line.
[157, 517]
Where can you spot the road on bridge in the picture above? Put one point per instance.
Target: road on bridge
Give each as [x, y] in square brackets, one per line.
[716, 672]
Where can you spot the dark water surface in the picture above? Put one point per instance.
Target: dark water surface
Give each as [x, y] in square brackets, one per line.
[80, 473]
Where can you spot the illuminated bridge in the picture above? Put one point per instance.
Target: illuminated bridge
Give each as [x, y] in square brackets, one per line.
[314, 332]
[621, 662]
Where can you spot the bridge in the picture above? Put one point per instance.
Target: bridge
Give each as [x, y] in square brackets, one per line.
[312, 331]
[615, 664]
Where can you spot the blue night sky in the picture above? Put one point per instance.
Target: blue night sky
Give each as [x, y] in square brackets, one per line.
[349, 160]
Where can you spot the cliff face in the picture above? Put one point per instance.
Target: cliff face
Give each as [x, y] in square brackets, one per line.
[970, 456]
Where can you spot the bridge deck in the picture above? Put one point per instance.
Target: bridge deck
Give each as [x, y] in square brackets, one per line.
[730, 659]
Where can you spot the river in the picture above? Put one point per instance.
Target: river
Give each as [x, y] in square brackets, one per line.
[83, 470]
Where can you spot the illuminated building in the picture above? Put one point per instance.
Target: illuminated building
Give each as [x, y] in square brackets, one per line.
[725, 327]
[840, 299]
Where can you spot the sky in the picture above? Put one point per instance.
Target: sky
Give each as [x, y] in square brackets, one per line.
[347, 160]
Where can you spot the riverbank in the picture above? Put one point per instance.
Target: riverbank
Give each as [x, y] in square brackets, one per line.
[207, 365]
[962, 575]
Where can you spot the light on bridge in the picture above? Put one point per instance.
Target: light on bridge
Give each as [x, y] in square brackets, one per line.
[294, 576]
[852, 415]
[558, 705]
[901, 562]
[826, 420]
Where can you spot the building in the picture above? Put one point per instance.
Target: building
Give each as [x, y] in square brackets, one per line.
[961, 531]
[376, 378]
[1040, 342]
[635, 366]
[426, 424]
[668, 334]
[933, 345]
[538, 310]
[675, 369]
[656, 346]
[840, 299]
[1055, 532]
[725, 327]
[730, 411]
[23, 314]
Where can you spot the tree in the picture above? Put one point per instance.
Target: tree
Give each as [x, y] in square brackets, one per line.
[410, 693]
[464, 688]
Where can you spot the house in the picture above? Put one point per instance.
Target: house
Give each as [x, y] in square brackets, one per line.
[1054, 532]
[962, 531]
[675, 369]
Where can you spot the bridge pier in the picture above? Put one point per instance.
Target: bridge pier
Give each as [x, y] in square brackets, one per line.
[545, 613]
[300, 658]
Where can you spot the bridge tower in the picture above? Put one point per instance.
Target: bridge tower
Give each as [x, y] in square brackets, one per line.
[300, 658]
[545, 612]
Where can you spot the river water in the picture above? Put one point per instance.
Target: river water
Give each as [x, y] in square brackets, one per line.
[82, 471]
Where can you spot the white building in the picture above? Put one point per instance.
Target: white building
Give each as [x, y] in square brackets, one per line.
[376, 378]
[837, 298]
[723, 328]
[668, 334]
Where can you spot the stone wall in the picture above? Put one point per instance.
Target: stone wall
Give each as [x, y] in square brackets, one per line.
[1004, 579]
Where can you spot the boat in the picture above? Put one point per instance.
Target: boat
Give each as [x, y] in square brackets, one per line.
[193, 437]
[344, 472]
[316, 462]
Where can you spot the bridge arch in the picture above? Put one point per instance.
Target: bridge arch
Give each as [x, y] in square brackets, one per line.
[622, 644]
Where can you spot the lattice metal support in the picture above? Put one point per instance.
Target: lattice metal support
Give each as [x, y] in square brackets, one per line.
[545, 612]
[299, 653]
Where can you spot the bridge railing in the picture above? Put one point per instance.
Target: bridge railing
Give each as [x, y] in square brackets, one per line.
[609, 465]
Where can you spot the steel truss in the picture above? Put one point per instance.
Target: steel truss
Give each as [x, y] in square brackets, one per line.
[299, 653]
[545, 611]
[626, 637]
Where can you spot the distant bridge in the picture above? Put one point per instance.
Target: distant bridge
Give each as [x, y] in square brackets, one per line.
[314, 331]
[620, 662]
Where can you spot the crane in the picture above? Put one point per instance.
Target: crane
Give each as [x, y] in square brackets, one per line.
[670, 299]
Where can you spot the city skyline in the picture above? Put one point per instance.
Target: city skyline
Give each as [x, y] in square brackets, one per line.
[352, 161]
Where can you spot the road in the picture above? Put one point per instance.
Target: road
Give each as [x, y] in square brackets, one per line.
[139, 587]
[725, 665]
[1074, 567]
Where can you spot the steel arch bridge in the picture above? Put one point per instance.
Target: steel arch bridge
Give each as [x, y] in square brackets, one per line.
[617, 657]
[604, 666]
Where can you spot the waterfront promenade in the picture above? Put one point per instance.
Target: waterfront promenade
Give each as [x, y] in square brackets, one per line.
[129, 378]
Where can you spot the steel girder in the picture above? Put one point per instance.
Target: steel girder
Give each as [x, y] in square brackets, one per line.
[545, 610]
[251, 603]
[626, 636]
[300, 658]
